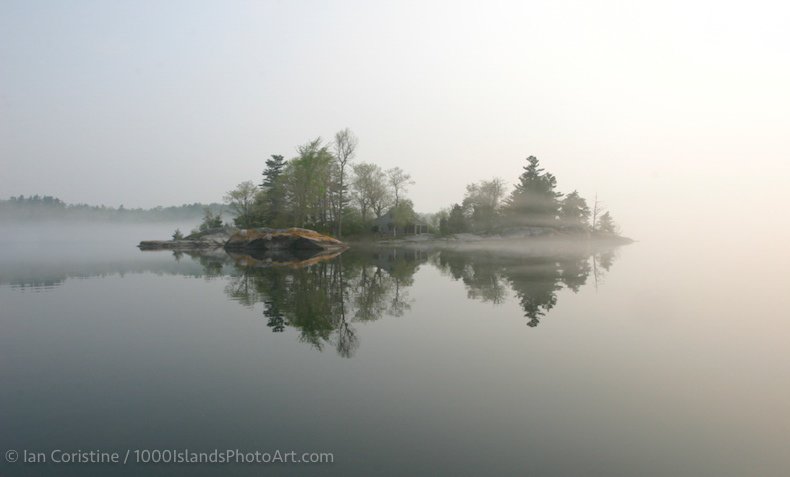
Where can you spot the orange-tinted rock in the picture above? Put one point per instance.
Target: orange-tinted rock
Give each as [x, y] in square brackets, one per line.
[266, 239]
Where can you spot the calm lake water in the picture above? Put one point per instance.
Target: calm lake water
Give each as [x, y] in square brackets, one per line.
[644, 360]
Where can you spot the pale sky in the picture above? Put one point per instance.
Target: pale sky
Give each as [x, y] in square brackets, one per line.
[674, 112]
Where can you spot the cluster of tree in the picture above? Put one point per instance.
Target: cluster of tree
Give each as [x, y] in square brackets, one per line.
[322, 188]
[535, 201]
[46, 207]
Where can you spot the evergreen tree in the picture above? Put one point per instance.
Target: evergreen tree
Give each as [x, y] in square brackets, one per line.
[456, 221]
[274, 168]
[210, 220]
[270, 202]
[574, 211]
[534, 201]
[606, 224]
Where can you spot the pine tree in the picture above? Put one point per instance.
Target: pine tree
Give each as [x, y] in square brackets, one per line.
[274, 168]
[574, 211]
[606, 224]
[534, 201]
[270, 203]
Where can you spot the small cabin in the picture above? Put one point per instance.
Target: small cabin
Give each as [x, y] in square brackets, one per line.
[385, 225]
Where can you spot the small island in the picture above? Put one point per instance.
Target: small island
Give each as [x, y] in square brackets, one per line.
[322, 196]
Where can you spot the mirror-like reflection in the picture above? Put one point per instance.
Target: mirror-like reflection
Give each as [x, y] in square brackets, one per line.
[323, 295]
[534, 279]
[420, 345]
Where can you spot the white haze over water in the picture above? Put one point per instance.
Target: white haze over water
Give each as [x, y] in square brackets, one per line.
[674, 112]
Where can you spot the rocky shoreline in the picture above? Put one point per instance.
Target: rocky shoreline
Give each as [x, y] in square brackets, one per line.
[299, 244]
[250, 240]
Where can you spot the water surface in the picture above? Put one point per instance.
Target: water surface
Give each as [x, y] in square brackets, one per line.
[550, 361]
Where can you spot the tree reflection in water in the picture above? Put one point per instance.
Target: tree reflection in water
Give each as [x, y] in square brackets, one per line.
[323, 296]
[534, 279]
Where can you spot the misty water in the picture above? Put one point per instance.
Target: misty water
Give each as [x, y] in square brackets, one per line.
[638, 360]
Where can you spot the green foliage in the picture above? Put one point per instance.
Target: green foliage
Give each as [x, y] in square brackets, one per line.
[210, 220]
[399, 181]
[307, 180]
[353, 225]
[177, 235]
[370, 190]
[574, 211]
[433, 221]
[242, 200]
[321, 189]
[403, 214]
[269, 206]
[273, 171]
[534, 201]
[455, 222]
[482, 203]
[345, 149]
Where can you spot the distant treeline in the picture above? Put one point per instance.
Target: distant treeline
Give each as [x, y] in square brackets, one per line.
[46, 207]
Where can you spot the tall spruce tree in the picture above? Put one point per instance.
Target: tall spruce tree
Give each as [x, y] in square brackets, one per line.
[274, 168]
[534, 201]
[271, 200]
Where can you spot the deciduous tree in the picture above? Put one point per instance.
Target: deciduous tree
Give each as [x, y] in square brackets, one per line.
[241, 200]
[399, 181]
[345, 147]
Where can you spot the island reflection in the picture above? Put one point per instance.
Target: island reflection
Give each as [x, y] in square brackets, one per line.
[322, 297]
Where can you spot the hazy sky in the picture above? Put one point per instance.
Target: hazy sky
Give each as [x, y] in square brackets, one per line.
[671, 111]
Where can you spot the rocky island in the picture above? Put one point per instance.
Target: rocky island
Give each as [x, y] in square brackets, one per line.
[256, 240]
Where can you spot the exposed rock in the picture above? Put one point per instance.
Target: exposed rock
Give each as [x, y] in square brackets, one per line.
[175, 245]
[266, 239]
[215, 239]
